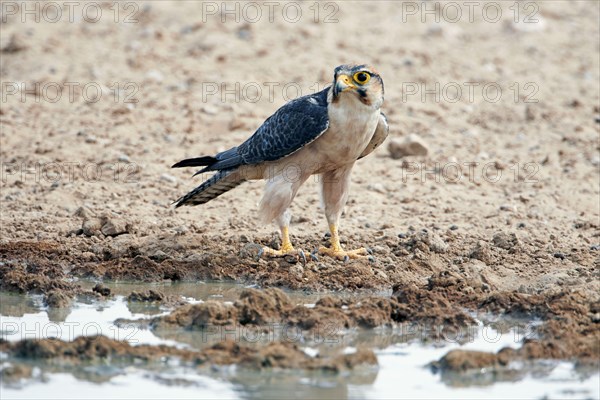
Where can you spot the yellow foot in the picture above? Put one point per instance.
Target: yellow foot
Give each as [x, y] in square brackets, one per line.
[285, 251]
[341, 254]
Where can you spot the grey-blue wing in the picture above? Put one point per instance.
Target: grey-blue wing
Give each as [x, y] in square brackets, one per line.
[292, 127]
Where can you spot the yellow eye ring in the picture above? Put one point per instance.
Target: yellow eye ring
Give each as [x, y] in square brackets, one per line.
[362, 77]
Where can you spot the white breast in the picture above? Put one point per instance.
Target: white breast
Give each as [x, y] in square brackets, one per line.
[351, 127]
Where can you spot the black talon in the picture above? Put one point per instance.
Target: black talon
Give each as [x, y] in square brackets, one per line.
[314, 255]
[302, 257]
[369, 250]
[371, 259]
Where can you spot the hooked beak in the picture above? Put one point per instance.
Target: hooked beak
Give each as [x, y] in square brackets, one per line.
[343, 83]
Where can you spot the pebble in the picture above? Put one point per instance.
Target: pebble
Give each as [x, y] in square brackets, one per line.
[244, 239]
[435, 243]
[560, 255]
[534, 24]
[114, 227]
[412, 145]
[481, 252]
[155, 75]
[505, 241]
[168, 178]
[15, 44]
[377, 187]
[453, 227]
[101, 290]
[159, 256]
[297, 270]
[91, 226]
[236, 123]
[210, 110]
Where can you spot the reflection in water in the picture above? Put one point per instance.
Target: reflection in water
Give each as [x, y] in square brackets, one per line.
[401, 353]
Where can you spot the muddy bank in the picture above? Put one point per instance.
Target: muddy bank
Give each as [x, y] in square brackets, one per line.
[100, 349]
[570, 328]
[504, 261]
[435, 280]
[262, 309]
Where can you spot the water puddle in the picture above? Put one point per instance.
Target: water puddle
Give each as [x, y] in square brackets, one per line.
[402, 355]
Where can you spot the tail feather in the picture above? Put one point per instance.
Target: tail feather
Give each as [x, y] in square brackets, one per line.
[196, 162]
[219, 183]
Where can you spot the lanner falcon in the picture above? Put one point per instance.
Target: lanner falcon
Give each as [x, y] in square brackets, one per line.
[322, 133]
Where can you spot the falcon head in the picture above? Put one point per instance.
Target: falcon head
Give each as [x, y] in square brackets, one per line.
[359, 81]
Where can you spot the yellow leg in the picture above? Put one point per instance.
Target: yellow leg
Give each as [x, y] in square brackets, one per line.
[286, 246]
[336, 250]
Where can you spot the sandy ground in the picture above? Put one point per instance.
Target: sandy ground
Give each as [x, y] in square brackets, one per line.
[505, 203]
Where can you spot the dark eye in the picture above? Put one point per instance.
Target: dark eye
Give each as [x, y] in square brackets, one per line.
[362, 77]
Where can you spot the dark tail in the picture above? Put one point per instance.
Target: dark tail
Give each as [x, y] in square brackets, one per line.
[221, 182]
[196, 162]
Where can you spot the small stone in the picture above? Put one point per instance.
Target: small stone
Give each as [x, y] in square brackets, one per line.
[482, 253]
[74, 232]
[236, 123]
[101, 290]
[210, 110]
[159, 256]
[521, 225]
[114, 227]
[155, 75]
[146, 296]
[453, 227]
[505, 241]
[435, 243]
[168, 178]
[402, 235]
[377, 187]
[57, 299]
[322, 266]
[15, 44]
[297, 270]
[412, 145]
[560, 255]
[92, 227]
[244, 239]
